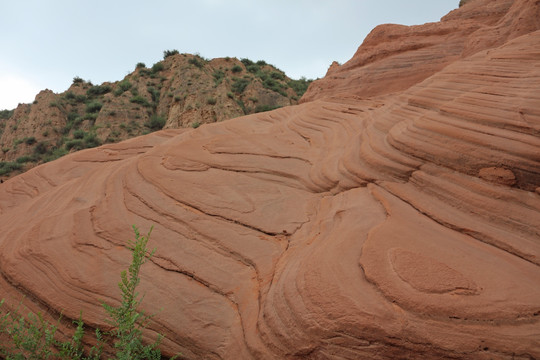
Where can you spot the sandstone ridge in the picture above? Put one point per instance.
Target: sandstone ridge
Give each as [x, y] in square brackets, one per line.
[365, 223]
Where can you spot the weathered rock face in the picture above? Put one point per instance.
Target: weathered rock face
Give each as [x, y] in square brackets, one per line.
[403, 225]
[181, 91]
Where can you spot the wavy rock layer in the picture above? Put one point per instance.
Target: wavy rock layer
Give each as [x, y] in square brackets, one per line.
[398, 226]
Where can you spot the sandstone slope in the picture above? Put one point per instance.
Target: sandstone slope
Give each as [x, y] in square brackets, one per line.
[403, 225]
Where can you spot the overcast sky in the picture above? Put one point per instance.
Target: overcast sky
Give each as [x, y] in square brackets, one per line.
[45, 43]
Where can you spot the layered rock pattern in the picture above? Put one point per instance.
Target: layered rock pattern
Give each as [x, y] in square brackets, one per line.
[394, 226]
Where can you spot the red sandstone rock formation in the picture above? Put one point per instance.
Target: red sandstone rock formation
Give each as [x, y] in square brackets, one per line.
[394, 214]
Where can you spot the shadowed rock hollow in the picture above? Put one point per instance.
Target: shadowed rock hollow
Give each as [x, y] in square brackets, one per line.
[394, 214]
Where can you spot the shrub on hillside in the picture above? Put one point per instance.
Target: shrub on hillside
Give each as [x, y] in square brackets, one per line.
[93, 107]
[155, 123]
[236, 69]
[218, 77]
[7, 167]
[239, 85]
[168, 53]
[157, 67]
[98, 90]
[6, 114]
[138, 99]
[299, 86]
[197, 61]
[246, 62]
[30, 140]
[122, 87]
[77, 80]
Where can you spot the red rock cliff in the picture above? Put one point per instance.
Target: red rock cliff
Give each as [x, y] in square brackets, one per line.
[394, 214]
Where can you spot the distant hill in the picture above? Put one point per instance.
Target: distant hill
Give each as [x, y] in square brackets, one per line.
[182, 90]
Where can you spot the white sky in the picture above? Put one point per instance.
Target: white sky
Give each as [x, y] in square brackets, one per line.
[45, 43]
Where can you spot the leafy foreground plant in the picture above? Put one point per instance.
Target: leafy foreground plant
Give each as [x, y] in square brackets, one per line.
[33, 337]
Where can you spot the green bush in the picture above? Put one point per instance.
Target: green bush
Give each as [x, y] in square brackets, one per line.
[239, 85]
[78, 134]
[98, 90]
[24, 159]
[30, 140]
[140, 65]
[253, 68]
[80, 98]
[211, 101]
[218, 77]
[263, 108]
[7, 167]
[77, 80]
[168, 53]
[157, 67]
[197, 61]
[69, 95]
[154, 93]
[77, 144]
[299, 86]
[122, 87]
[236, 69]
[54, 154]
[277, 75]
[155, 122]
[40, 148]
[138, 99]
[246, 62]
[91, 140]
[93, 107]
[6, 114]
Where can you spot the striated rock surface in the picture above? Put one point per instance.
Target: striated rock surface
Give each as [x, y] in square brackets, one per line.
[358, 225]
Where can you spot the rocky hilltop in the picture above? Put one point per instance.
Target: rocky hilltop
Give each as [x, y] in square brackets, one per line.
[181, 91]
[394, 214]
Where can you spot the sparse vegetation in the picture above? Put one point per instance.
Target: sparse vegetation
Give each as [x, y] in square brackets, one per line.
[239, 81]
[33, 337]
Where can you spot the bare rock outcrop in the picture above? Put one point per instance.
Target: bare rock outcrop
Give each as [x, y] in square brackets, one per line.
[365, 223]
